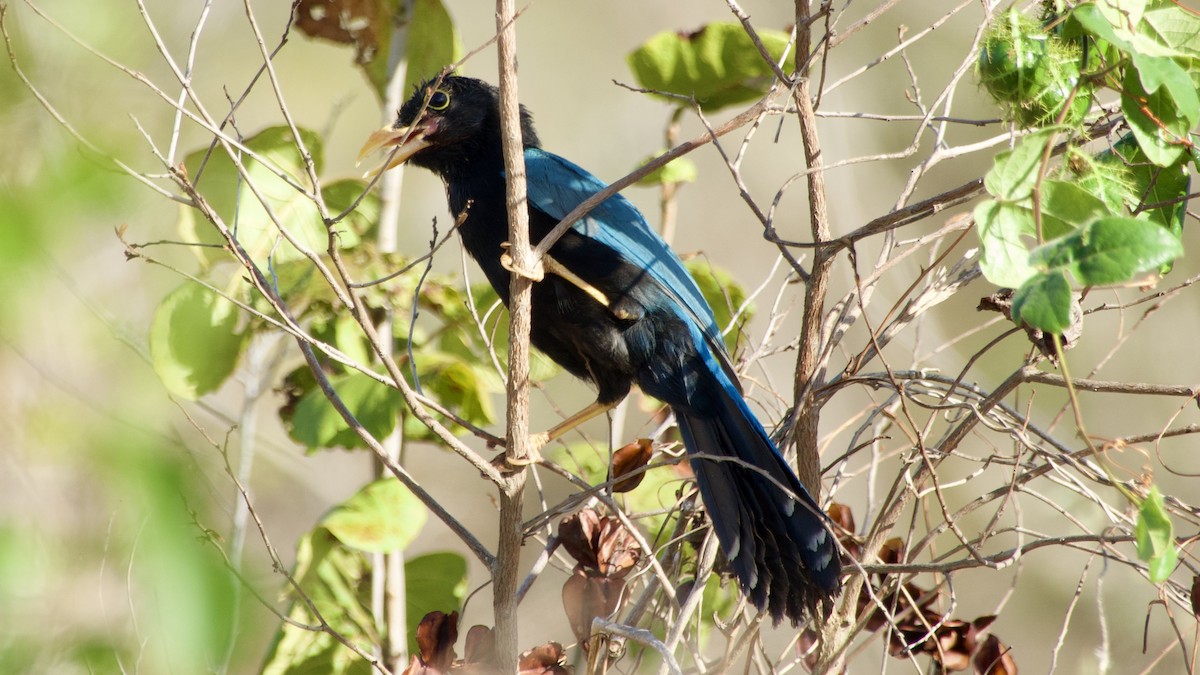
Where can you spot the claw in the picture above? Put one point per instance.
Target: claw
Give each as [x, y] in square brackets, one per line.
[506, 262]
[536, 442]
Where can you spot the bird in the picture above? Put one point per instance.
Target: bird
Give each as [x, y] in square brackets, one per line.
[617, 307]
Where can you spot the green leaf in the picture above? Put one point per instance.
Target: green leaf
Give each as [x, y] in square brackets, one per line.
[724, 295]
[230, 196]
[1044, 302]
[718, 64]
[1120, 23]
[436, 581]
[1109, 251]
[317, 424]
[1002, 232]
[1149, 185]
[678, 170]
[1172, 26]
[1155, 536]
[339, 196]
[463, 386]
[1157, 121]
[1157, 72]
[1067, 206]
[336, 580]
[1015, 171]
[194, 341]
[382, 517]
[349, 338]
[432, 40]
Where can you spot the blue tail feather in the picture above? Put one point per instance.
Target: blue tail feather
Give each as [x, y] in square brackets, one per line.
[770, 528]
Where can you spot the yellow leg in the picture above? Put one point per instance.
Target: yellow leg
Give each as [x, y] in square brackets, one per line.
[537, 441]
[552, 266]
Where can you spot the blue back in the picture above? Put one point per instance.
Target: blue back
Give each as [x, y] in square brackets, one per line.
[556, 186]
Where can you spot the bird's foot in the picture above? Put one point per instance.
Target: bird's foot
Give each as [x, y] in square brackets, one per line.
[535, 444]
[506, 261]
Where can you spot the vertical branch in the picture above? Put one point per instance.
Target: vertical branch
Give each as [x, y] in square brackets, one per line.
[835, 632]
[506, 570]
[669, 205]
[388, 584]
[807, 416]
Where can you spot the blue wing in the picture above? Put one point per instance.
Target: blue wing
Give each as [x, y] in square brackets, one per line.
[556, 186]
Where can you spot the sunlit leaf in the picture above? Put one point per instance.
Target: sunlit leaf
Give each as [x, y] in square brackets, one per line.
[216, 177]
[1067, 206]
[435, 581]
[432, 42]
[1155, 536]
[1157, 119]
[1156, 194]
[194, 341]
[1172, 25]
[1109, 250]
[335, 580]
[1003, 229]
[317, 424]
[718, 64]
[1044, 301]
[1015, 171]
[382, 517]
[678, 170]
[339, 197]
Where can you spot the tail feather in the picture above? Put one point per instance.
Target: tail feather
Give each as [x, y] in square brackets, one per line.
[784, 556]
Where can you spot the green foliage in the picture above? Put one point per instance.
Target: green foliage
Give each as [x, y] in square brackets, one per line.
[1155, 536]
[1103, 219]
[678, 170]
[718, 64]
[195, 343]
[432, 42]
[383, 516]
[725, 296]
[333, 570]
[435, 581]
[317, 424]
[336, 580]
[224, 187]
[180, 587]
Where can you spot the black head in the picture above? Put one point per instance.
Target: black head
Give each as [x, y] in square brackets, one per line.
[448, 126]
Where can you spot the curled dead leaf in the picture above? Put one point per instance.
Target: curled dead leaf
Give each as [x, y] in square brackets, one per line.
[547, 659]
[436, 635]
[599, 544]
[994, 658]
[479, 646]
[587, 596]
[343, 21]
[843, 519]
[1196, 596]
[629, 461]
[1002, 301]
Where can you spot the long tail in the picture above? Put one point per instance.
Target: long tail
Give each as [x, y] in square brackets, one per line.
[785, 558]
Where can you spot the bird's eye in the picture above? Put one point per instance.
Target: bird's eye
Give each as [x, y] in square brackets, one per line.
[440, 100]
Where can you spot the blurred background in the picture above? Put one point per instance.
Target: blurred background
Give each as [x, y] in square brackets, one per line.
[108, 485]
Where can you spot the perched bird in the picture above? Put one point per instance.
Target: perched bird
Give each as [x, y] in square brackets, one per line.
[617, 307]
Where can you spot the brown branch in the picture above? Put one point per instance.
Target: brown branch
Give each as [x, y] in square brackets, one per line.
[807, 414]
[506, 569]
